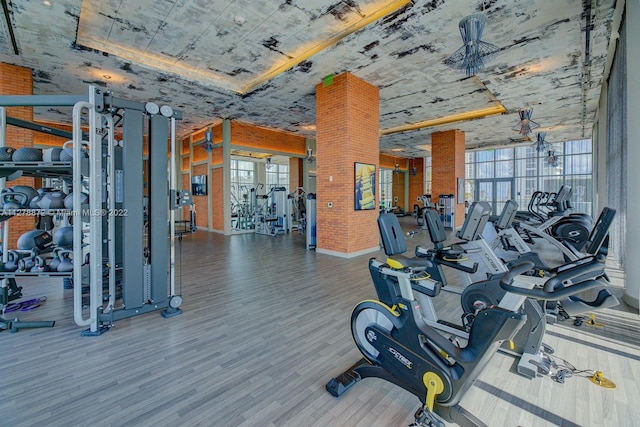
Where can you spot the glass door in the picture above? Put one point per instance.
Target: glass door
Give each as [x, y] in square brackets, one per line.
[495, 191]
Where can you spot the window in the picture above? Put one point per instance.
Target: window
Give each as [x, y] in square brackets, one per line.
[386, 188]
[504, 169]
[427, 174]
[242, 180]
[532, 172]
[278, 176]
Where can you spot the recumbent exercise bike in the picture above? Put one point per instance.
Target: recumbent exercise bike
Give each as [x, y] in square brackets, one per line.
[400, 347]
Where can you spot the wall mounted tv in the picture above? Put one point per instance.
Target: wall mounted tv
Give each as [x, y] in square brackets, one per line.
[199, 185]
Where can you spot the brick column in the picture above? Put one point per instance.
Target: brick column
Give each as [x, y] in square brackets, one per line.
[447, 160]
[16, 80]
[347, 123]
[296, 166]
[416, 182]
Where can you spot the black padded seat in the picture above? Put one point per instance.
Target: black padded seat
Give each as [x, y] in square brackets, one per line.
[394, 243]
[575, 306]
[507, 215]
[474, 223]
[437, 233]
[393, 240]
[415, 264]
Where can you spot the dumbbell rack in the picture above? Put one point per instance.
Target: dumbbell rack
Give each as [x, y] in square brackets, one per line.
[116, 185]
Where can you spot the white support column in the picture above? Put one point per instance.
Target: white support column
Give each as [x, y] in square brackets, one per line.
[632, 291]
[307, 167]
[600, 153]
[226, 180]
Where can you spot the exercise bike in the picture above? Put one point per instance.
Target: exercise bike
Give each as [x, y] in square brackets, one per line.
[574, 306]
[527, 344]
[400, 347]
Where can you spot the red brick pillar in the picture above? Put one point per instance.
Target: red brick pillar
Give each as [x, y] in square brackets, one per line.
[16, 80]
[416, 182]
[347, 123]
[447, 160]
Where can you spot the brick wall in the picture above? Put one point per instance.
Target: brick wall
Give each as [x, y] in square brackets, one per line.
[217, 156]
[295, 172]
[216, 180]
[199, 154]
[185, 164]
[16, 80]
[389, 162]
[185, 146]
[249, 136]
[448, 165]
[201, 202]
[186, 183]
[243, 136]
[40, 138]
[398, 190]
[416, 183]
[217, 199]
[192, 150]
[347, 123]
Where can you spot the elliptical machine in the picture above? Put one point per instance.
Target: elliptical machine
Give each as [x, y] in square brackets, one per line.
[400, 347]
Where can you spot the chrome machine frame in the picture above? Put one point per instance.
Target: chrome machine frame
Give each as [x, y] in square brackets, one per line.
[113, 173]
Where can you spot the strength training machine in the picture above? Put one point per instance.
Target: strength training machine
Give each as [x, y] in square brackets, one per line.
[131, 204]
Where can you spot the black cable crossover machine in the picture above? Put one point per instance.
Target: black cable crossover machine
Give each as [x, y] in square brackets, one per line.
[127, 228]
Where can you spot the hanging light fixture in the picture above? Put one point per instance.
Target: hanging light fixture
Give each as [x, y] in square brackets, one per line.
[541, 144]
[397, 168]
[552, 158]
[414, 170]
[208, 141]
[472, 56]
[525, 126]
[310, 158]
[268, 164]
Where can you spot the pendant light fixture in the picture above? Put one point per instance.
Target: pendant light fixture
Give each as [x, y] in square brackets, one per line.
[526, 125]
[541, 144]
[471, 57]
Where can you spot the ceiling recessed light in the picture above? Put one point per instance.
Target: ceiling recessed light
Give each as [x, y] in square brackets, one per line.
[238, 19]
[106, 76]
[46, 2]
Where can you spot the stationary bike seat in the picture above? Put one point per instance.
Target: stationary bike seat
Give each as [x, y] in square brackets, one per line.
[575, 305]
[415, 264]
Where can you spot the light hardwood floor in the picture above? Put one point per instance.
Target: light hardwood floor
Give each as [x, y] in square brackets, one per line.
[265, 326]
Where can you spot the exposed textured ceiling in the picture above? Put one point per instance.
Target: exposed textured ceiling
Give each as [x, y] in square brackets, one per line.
[259, 61]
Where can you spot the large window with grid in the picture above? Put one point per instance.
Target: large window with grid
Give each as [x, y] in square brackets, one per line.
[427, 175]
[516, 173]
[277, 175]
[243, 178]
